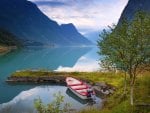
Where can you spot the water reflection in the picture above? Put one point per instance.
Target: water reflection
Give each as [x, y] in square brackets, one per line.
[82, 101]
[35, 58]
[23, 103]
[86, 63]
[47, 58]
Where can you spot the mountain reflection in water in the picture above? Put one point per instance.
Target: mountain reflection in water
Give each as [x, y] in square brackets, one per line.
[74, 58]
[24, 102]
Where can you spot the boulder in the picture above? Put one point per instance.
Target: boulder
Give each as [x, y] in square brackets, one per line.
[103, 89]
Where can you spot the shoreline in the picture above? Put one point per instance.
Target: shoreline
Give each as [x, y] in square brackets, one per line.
[102, 88]
[37, 80]
[6, 49]
[109, 86]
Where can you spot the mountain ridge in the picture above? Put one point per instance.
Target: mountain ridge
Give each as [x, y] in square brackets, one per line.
[26, 21]
[132, 7]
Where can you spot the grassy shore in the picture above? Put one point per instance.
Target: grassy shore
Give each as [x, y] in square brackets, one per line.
[6, 49]
[116, 103]
[92, 77]
[119, 102]
[3, 49]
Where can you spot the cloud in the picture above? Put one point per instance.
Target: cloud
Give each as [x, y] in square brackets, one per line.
[86, 63]
[50, 3]
[85, 14]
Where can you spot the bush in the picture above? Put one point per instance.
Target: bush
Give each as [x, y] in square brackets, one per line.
[54, 107]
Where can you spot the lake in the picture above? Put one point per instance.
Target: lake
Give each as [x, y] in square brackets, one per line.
[55, 59]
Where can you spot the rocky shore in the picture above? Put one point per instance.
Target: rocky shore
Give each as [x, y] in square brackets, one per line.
[102, 89]
[37, 80]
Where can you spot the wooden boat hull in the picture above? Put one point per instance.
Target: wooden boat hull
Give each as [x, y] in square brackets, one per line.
[79, 88]
[81, 96]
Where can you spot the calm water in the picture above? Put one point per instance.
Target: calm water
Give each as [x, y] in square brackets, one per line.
[58, 59]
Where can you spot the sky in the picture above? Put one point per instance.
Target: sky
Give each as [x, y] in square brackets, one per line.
[86, 15]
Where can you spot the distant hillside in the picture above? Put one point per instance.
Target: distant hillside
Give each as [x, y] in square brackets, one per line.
[26, 21]
[132, 7]
[93, 36]
[8, 39]
[73, 35]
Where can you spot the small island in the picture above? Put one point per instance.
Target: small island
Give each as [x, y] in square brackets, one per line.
[102, 85]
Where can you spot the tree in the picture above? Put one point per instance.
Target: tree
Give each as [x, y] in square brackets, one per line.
[127, 46]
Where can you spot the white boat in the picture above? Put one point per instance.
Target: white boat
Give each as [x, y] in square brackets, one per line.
[81, 89]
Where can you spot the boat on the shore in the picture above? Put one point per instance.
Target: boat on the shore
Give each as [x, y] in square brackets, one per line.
[80, 88]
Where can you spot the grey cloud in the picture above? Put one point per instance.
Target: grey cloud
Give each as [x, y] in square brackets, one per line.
[51, 3]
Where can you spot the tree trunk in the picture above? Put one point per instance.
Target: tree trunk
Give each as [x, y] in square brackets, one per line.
[125, 83]
[131, 89]
[131, 94]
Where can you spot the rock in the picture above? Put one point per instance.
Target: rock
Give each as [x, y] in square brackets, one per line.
[103, 88]
[43, 79]
[106, 92]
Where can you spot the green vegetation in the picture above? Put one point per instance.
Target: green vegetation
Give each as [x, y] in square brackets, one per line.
[127, 46]
[54, 107]
[92, 77]
[119, 102]
[8, 39]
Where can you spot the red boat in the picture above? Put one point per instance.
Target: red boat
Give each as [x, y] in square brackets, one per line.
[81, 89]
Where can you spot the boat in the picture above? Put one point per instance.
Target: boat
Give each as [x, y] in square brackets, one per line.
[80, 88]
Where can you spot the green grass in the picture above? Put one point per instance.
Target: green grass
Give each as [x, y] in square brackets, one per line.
[119, 103]
[116, 103]
[143, 87]
[111, 78]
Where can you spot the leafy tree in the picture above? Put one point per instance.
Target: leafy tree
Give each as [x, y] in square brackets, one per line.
[127, 46]
[54, 107]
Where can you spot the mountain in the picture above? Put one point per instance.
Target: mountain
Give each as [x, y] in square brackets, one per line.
[8, 39]
[93, 36]
[132, 7]
[73, 35]
[26, 21]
